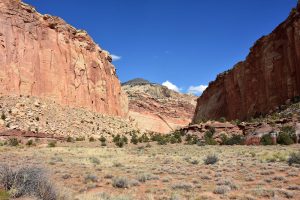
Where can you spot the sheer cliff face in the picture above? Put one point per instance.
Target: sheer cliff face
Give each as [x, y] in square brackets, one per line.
[42, 56]
[268, 77]
[156, 108]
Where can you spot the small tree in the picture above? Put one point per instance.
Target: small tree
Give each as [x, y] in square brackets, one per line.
[134, 139]
[209, 137]
[266, 140]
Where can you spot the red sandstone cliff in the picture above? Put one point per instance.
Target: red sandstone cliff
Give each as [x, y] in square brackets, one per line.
[268, 77]
[41, 55]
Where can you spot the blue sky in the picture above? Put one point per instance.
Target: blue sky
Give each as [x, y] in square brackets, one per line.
[184, 42]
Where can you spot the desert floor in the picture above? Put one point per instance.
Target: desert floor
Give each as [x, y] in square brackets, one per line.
[85, 170]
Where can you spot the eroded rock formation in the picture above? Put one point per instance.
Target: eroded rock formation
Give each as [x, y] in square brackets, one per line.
[268, 77]
[41, 55]
[156, 108]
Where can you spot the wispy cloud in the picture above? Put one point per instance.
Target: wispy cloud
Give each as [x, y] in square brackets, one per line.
[115, 57]
[171, 86]
[197, 90]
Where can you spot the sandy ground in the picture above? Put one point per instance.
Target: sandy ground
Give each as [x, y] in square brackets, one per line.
[85, 170]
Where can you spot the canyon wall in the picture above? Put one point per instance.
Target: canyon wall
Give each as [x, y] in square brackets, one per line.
[269, 77]
[42, 56]
[156, 108]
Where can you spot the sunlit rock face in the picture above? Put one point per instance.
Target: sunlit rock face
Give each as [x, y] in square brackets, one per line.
[268, 77]
[41, 55]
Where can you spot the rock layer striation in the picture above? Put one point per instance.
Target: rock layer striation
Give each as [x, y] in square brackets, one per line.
[155, 108]
[268, 77]
[43, 56]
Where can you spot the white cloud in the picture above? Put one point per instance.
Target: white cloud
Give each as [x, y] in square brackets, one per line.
[197, 90]
[171, 86]
[115, 57]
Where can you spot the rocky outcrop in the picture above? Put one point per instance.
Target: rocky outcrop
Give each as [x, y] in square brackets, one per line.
[268, 77]
[35, 117]
[155, 108]
[42, 56]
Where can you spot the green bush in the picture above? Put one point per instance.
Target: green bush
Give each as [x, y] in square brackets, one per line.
[80, 139]
[3, 117]
[176, 137]
[120, 141]
[222, 119]
[287, 135]
[91, 139]
[52, 144]
[13, 142]
[235, 140]
[29, 143]
[266, 140]
[191, 139]
[70, 139]
[102, 139]
[144, 138]
[284, 139]
[208, 137]
[224, 139]
[134, 139]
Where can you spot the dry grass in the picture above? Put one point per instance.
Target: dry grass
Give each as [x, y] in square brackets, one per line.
[91, 171]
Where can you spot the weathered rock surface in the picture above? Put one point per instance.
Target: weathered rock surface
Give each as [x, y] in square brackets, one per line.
[36, 117]
[254, 129]
[268, 77]
[155, 108]
[42, 56]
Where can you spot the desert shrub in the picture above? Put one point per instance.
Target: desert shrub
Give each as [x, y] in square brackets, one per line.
[208, 137]
[222, 119]
[70, 139]
[52, 144]
[224, 139]
[235, 140]
[120, 182]
[210, 141]
[284, 139]
[27, 182]
[182, 186]
[80, 139]
[266, 140]
[94, 160]
[134, 139]
[92, 139]
[222, 189]
[90, 178]
[3, 117]
[143, 177]
[294, 158]
[160, 139]
[29, 143]
[286, 135]
[102, 139]
[211, 159]
[120, 141]
[144, 138]
[176, 137]
[191, 139]
[13, 142]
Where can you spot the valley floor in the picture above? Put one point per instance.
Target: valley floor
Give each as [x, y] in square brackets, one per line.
[85, 170]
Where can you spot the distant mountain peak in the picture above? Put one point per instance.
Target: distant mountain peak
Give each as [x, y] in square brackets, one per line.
[137, 81]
